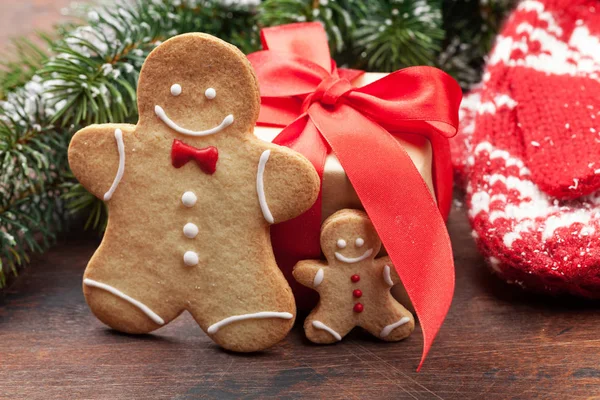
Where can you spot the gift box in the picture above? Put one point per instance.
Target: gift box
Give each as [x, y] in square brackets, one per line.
[379, 142]
[338, 192]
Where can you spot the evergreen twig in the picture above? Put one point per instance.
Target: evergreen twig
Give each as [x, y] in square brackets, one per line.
[89, 75]
[90, 78]
[27, 59]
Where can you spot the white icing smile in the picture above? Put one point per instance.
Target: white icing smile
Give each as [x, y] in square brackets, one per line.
[352, 260]
[160, 113]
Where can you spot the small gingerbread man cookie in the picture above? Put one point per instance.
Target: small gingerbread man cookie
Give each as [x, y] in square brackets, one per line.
[353, 285]
[191, 194]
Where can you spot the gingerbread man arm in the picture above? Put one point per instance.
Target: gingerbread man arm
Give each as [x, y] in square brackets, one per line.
[387, 271]
[97, 157]
[310, 273]
[287, 184]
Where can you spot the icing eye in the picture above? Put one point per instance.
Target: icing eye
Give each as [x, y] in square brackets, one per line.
[359, 242]
[176, 89]
[341, 243]
[210, 93]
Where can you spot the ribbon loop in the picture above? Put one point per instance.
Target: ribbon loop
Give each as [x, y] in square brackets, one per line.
[329, 91]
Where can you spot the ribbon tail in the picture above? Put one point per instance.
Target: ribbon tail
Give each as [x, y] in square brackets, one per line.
[299, 238]
[405, 215]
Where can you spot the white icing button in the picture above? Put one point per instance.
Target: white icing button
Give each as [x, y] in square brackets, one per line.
[359, 242]
[341, 243]
[190, 258]
[190, 230]
[210, 93]
[189, 199]
[176, 89]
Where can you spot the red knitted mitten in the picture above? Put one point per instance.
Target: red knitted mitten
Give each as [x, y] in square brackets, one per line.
[517, 162]
[547, 60]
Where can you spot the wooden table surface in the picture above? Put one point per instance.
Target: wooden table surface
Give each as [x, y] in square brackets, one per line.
[497, 343]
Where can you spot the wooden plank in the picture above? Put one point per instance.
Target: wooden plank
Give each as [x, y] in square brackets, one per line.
[497, 343]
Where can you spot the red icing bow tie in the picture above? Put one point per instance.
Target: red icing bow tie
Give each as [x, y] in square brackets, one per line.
[206, 158]
[302, 90]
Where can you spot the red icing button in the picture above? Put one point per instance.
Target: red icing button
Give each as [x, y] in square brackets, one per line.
[357, 293]
[358, 307]
[355, 278]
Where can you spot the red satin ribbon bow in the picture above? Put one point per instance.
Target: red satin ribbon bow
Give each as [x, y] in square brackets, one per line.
[206, 158]
[302, 89]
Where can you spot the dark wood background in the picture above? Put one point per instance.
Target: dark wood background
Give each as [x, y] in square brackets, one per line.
[497, 343]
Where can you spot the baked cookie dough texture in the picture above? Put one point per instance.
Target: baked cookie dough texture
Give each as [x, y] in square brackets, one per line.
[191, 194]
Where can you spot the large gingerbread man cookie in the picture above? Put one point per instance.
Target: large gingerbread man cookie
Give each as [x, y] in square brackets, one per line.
[191, 194]
[353, 285]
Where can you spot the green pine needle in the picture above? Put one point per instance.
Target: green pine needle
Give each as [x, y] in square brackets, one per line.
[90, 78]
[400, 34]
[89, 75]
[27, 58]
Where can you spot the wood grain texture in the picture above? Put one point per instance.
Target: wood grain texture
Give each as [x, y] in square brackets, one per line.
[497, 343]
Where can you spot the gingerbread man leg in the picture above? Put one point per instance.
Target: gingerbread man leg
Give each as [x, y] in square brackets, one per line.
[391, 325]
[251, 309]
[144, 307]
[325, 327]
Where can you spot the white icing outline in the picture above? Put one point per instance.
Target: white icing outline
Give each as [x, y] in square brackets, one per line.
[121, 148]
[320, 325]
[341, 243]
[141, 306]
[388, 329]
[260, 186]
[160, 113]
[386, 275]
[318, 277]
[352, 260]
[214, 328]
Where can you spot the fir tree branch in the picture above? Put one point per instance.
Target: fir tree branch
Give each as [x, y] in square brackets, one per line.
[400, 34]
[90, 73]
[27, 58]
[471, 27]
[340, 19]
[33, 164]
[90, 78]
[386, 35]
